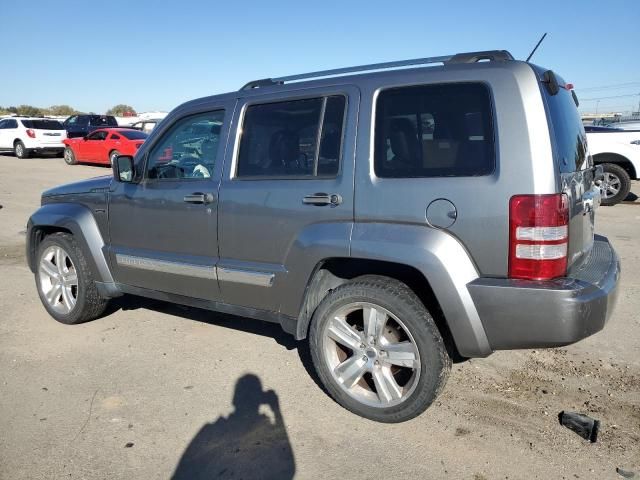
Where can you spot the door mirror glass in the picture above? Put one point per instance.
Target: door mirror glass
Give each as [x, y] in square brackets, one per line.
[123, 168]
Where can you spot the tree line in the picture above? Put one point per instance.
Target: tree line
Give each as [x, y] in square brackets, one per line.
[119, 110]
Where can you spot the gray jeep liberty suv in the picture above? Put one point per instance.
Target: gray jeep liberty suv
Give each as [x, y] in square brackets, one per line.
[396, 219]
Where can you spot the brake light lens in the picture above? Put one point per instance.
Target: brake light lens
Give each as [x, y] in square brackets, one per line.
[538, 236]
[31, 133]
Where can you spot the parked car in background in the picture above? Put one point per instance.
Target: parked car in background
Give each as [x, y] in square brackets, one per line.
[81, 125]
[103, 145]
[598, 128]
[375, 215]
[618, 151]
[146, 125]
[26, 135]
[626, 125]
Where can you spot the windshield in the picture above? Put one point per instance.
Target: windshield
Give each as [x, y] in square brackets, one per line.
[134, 134]
[43, 124]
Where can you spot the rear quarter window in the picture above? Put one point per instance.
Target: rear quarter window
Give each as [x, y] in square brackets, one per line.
[443, 130]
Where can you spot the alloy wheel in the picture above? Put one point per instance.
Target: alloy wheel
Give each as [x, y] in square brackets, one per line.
[58, 280]
[610, 186]
[371, 354]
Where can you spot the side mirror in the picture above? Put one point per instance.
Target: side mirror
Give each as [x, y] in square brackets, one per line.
[123, 169]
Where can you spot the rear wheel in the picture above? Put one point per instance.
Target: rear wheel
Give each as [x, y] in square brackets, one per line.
[616, 184]
[377, 349]
[20, 150]
[113, 155]
[64, 281]
[69, 157]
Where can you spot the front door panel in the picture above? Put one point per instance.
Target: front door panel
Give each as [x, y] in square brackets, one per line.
[164, 229]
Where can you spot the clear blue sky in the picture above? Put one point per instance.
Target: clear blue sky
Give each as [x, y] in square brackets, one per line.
[154, 55]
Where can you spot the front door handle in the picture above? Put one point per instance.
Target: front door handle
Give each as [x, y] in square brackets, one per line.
[322, 199]
[198, 197]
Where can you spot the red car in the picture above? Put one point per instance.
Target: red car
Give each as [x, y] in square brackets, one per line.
[103, 145]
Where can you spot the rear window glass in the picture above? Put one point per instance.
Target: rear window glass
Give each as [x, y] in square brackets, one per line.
[567, 131]
[134, 134]
[43, 124]
[434, 131]
[100, 121]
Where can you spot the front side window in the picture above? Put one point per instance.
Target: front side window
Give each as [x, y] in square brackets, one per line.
[434, 131]
[3, 124]
[298, 138]
[189, 149]
[99, 135]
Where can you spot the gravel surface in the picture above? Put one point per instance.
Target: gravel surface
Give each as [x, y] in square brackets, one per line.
[156, 390]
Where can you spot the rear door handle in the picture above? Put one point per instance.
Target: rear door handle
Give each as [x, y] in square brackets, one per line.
[199, 198]
[322, 199]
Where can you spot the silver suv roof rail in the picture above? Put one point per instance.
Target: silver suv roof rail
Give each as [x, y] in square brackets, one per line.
[469, 57]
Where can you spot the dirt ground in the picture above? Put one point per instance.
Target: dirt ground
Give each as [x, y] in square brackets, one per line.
[124, 397]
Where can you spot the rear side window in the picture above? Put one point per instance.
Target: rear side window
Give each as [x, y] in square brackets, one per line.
[567, 131]
[43, 124]
[434, 131]
[134, 134]
[103, 121]
[298, 138]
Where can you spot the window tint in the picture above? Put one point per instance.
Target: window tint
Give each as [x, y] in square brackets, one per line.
[188, 150]
[12, 124]
[134, 134]
[3, 124]
[81, 121]
[567, 130]
[434, 131]
[114, 136]
[291, 139]
[43, 124]
[99, 135]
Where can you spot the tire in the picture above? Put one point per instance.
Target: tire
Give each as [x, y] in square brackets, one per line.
[67, 301]
[69, 156]
[20, 150]
[385, 392]
[112, 156]
[616, 184]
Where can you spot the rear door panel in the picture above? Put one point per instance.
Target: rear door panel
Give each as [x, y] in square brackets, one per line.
[270, 240]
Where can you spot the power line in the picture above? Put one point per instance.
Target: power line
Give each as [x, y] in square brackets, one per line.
[614, 86]
[606, 98]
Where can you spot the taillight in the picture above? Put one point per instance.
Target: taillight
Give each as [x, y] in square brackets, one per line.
[31, 133]
[538, 236]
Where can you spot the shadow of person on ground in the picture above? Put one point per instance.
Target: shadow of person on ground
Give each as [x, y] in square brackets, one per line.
[245, 445]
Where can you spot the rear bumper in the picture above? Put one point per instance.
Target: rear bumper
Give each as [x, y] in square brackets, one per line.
[532, 314]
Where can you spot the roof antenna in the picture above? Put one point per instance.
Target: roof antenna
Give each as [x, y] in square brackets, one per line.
[535, 48]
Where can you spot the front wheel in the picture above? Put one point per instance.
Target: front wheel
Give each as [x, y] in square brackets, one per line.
[65, 284]
[377, 349]
[69, 157]
[616, 184]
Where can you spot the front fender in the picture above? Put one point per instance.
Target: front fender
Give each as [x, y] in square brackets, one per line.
[78, 220]
[443, 261]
